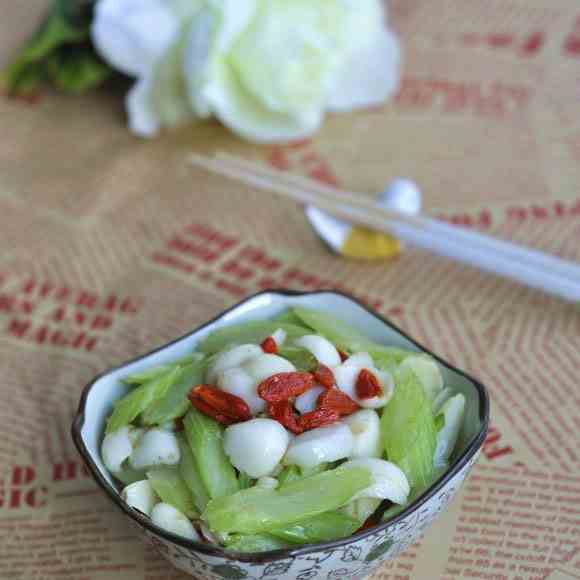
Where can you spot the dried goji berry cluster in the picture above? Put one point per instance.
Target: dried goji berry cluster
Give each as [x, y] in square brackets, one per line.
[279, 391]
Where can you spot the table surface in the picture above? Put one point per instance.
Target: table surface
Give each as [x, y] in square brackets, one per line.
[113, 245]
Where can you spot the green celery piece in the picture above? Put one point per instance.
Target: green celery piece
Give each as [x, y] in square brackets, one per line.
[289, 474]
[205, 439]
[175, 402]
[342, 335]
[190, 474]
[293, 473]
[249, 332]
[154, 372]
[128, 408]
[321, 528]
[171, 488]
[78, 70]
[254, 543]
[439, 422]
[408, 430]
[289, 317]
[128, 476]
[393, 511]
[256, 510]
[301, 358]
[388, 357]
[245, 480]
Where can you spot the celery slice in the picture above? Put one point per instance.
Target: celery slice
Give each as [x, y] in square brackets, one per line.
[322, 528]
[254, 543]
[175, 403]
[342, 335]
[205, 438]
[128, 408]
[244, 480]
[290, 317]
[388, 357]
[170, 487]
[190, 474]
[128, 476]
[154, 372]
[408, 430]
[256, 510]
[293, 473]
[301, 358]
[249, 332]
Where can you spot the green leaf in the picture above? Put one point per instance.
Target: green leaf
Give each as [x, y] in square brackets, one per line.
[254, 543]
[171, 488]
[408, 430]
[301, 358]
[322, 528]
[190, 473]
[76, 70]
[205, 439]
[256, 510]
[249, 332]
[175, 403]
[128, 408]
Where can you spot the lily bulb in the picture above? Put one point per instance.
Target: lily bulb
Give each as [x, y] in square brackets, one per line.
[256, 447]
[322, 349]
[171, 519]
[118, 446]
[389, 481]
[320, 445]
[140, 495]
[156, 447]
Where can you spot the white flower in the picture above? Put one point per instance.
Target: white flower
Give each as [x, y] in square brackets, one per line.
[268, 69]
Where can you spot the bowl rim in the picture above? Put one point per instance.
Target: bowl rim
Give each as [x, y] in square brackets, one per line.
[274, 555]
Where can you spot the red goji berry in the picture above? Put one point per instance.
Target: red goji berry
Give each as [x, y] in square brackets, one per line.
[337, 400]
[367, 385]
[283, 413]
[197, 402]
[222, 403]
[269, 345]
[324, 376]
[318, 418]
[343, 355]
[283, 386]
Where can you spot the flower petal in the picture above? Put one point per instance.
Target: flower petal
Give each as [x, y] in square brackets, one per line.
[241, 111]
[132, 34]
[369, 76]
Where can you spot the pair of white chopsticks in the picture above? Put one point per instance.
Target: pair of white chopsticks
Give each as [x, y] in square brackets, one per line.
[536, 269]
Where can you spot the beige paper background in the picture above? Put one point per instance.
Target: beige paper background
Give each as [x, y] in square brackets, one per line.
[112, 246]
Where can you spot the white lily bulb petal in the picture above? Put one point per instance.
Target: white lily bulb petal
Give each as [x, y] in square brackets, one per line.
[320, 445]
[135, 433]
[116, 448]
[307, 401]
[279, 336]
[365, 427]
[171, 519]
[361, 509]
[369, 76]
[402, 195]
[361, 360]
[346, 377]
[141, 496]
[428, 373]
[267, 482]
[256, 446]
[442, 396]
[232, 357]
[453, 411]
[156, 447]
[388, 480]
[265, 365]
[121, 33]
[239, 382]
[322, 349]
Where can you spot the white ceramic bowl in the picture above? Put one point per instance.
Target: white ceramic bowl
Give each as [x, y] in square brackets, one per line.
[353, 557]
